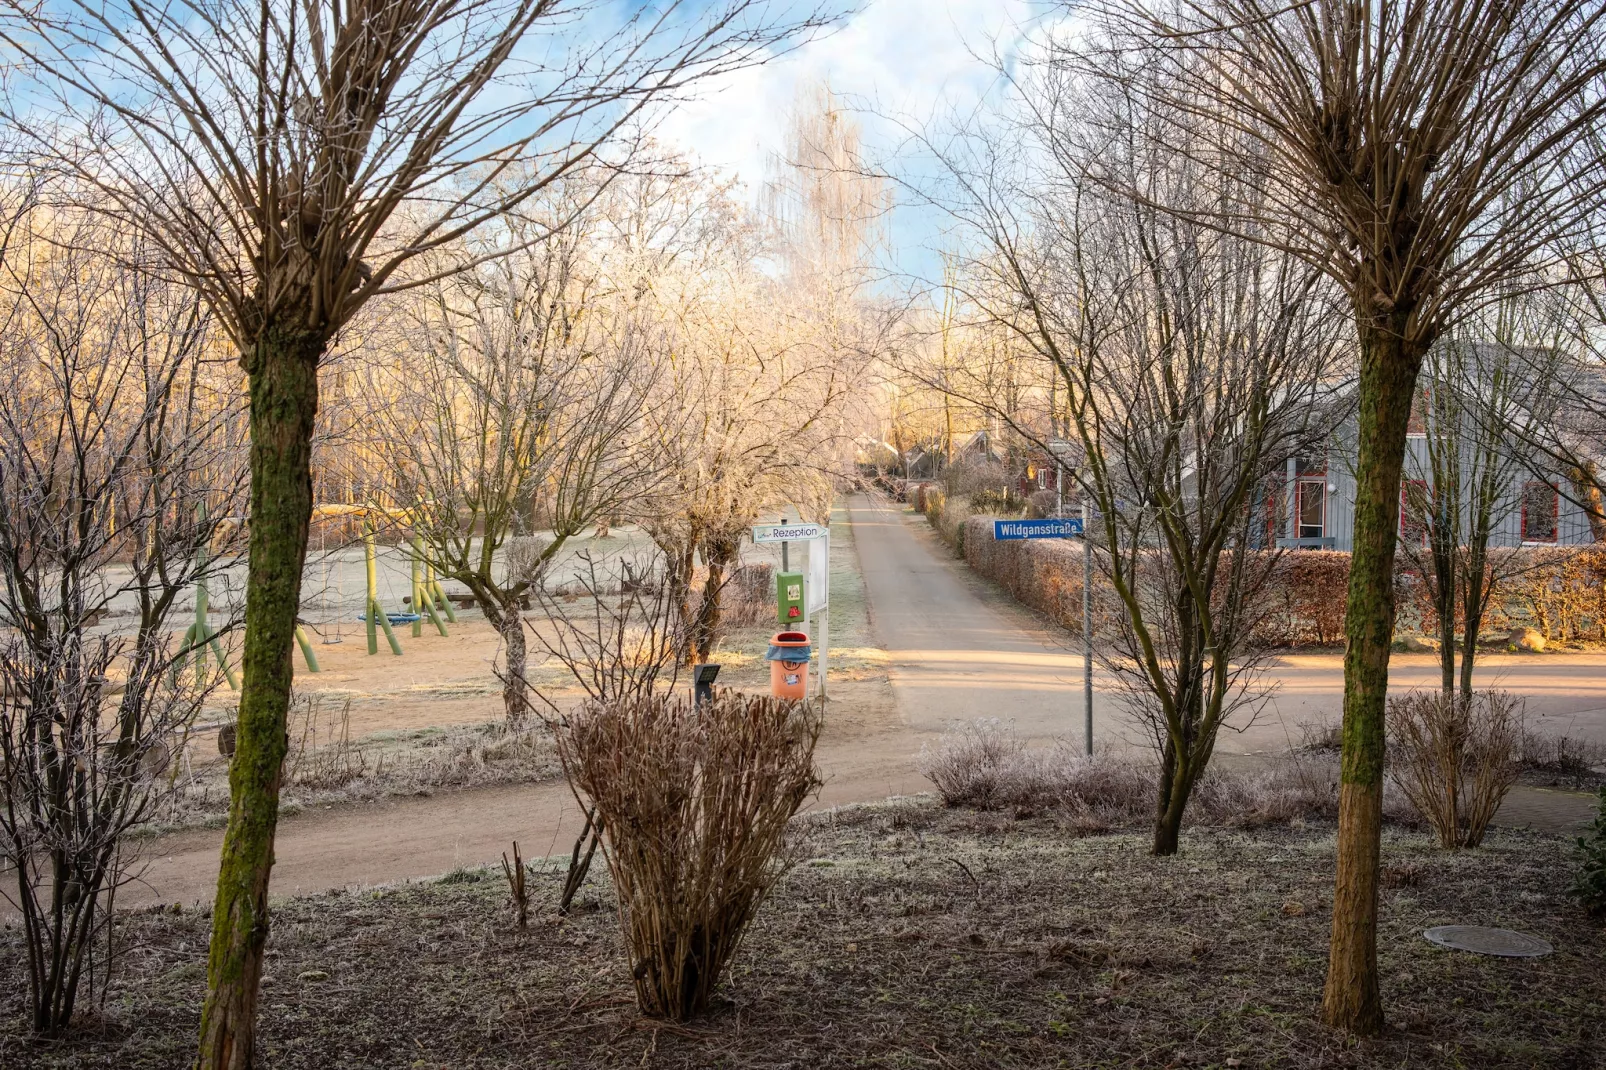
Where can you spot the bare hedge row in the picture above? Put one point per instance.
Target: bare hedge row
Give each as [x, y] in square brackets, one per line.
[1559, 591]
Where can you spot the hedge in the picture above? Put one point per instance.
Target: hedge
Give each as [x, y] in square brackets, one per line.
[1559, 591]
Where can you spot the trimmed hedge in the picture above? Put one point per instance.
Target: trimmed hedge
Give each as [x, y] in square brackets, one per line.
[1561, 592]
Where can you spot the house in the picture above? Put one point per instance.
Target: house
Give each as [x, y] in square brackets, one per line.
[1044, 469]
[1311, 503]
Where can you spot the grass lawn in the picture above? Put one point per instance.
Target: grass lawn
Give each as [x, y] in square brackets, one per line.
[909, 936]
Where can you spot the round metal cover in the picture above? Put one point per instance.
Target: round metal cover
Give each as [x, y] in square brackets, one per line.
[1484, 941]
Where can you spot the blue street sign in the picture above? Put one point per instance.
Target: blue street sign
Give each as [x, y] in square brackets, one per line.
[1065, 528]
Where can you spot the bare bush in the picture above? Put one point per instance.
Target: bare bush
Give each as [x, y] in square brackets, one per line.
[616, 634]
[695, 801]
[1561, 755]
[750, 595]
[79, 767]
[979, 764]
[322, 753]
[982, 764]
[1455, 757]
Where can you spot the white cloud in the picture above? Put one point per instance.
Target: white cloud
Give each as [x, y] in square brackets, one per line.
[901, 58]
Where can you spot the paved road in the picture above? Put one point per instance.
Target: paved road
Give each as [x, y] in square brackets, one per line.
[958, 650]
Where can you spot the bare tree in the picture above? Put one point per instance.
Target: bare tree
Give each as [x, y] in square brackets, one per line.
[102, 463]
[291, 161]
[1186, 363]
[771, 365]
[1482, 398]
[1429, 157]
[517, 400]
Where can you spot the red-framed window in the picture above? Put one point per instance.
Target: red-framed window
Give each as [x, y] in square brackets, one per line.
[1310, 508]
[1415, 502]
[1541, 512]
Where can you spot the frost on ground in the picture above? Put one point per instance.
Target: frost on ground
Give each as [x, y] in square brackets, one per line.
[908, 935]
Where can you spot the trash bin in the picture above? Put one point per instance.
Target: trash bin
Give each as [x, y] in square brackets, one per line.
[789, 665]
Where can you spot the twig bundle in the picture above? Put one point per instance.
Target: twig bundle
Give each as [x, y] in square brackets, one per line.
[695, 801]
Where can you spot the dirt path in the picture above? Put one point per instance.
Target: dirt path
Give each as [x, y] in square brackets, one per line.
[397, 839]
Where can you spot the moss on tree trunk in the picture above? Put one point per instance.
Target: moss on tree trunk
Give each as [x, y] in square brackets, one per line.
[283, 371]
[1389, 365]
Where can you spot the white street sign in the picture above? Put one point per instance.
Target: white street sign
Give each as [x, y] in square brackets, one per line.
[789, 532]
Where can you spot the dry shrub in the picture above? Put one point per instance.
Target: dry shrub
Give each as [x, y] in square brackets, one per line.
[1559, 590]
[1044, 574]
[748, 597]
[984, 765]
[1455, 757]
[694, 801]
[1561, 755]
[978, 764]
[948, 515]
[322, 753]
[1306, 600]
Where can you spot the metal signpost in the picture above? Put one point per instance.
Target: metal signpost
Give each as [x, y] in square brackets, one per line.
[817, 581]
[1066, 528]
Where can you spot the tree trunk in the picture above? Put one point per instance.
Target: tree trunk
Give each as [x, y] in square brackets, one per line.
[514, 703]
[283, 371]
[719, 556]
[1387, 380]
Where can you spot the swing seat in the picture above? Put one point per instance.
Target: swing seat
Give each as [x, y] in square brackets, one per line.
[394, 618]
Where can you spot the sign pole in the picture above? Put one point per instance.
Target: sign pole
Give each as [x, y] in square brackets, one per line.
[1087, 627]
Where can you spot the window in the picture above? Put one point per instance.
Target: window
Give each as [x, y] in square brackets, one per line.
[1415, 504]
[1541, 505]
[1310, 508]
[1042, 479]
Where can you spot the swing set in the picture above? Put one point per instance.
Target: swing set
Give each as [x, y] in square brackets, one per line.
[427, 594]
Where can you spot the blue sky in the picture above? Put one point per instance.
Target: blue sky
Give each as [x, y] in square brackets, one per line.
[899, 62]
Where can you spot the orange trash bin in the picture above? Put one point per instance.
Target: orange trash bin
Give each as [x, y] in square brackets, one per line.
[789, 665]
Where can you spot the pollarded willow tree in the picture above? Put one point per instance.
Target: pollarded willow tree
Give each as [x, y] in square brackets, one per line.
[1184, 364]
[291, 160]
[1428, 156]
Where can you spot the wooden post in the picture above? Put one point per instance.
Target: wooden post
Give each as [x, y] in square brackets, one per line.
[306, 649]
[418, 594]
[373, 589]
[424, 592]
[439, 594]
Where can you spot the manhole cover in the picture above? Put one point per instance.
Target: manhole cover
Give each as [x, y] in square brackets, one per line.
[1483, 941]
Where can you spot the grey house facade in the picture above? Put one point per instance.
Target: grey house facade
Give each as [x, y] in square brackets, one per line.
[1312, 504]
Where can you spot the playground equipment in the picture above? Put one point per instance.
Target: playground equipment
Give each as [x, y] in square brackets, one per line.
[199, 636]
[428, 598]
[424, 589]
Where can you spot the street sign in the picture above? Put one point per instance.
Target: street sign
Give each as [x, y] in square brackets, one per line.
[1065, 451]
[789, 532]
[1058, 528]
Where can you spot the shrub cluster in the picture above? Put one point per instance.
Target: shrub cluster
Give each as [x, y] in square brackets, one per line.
[1455, 757]
[985, 766]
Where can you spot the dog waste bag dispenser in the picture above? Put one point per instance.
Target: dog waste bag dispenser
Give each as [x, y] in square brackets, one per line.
[789, 597]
